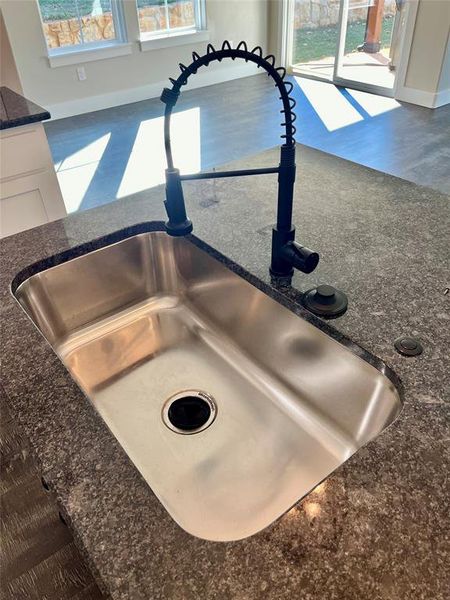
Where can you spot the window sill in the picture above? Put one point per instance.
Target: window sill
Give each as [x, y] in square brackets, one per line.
[173, 39]
[62, 58]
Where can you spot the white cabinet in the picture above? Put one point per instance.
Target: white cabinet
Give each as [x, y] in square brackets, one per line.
[29, 190]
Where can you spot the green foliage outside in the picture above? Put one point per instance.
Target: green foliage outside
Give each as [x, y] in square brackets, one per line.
[315, 44]
[56, 10]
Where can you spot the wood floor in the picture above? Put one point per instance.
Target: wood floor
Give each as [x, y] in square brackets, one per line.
[109, 154]
[38, 558]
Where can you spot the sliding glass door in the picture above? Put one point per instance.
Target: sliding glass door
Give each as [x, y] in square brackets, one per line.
[315, 37]
[349, 42]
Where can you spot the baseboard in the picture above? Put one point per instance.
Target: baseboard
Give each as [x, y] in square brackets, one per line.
[442, 98]
[145, 92]
[423, 98]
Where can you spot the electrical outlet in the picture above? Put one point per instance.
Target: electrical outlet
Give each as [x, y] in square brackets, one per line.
[81, 73]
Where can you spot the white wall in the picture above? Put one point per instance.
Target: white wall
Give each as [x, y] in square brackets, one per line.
[8, 72]
[428, 63]
[428, 45]
[128, 78]
[274, 28]
[444, 81]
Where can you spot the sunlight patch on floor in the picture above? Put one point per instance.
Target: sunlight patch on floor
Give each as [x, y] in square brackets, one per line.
[93, 152]
[372, 104]
[77, 170]
[332, 108]
[74, 184]
[147, 161]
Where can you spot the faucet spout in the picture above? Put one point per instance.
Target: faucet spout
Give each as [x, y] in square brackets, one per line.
[286, 253]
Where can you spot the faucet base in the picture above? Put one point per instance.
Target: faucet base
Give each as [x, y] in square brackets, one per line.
[281, 276]
[279, 266]
[179, 229]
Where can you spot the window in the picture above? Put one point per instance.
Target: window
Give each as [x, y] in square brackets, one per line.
[166, 17]
[96, 29]
[81, 24]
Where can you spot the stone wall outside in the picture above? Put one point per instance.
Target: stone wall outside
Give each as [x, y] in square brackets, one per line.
[153, 18]
[310, 14]
[101, 27]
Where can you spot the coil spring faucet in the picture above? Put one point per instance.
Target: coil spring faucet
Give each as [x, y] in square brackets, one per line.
[286, 253]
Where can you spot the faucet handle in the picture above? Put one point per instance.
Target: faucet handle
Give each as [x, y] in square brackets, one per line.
[300, 257]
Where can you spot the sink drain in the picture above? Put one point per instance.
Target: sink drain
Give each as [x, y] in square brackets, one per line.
[189, 412]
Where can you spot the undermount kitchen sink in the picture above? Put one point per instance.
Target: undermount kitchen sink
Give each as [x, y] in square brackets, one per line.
[231, 406]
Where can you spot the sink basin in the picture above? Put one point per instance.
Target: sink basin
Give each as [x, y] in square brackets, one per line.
[273, 404]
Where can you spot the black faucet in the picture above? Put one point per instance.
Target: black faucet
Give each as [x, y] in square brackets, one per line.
[287, 254]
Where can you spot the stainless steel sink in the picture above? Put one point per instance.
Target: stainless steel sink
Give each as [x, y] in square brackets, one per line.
[152, 319]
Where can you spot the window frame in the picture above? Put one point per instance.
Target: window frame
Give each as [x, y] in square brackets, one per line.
[167, 34]
[120, 39]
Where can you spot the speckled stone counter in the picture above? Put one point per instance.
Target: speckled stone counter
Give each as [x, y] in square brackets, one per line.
[379, 526]
[15, 110]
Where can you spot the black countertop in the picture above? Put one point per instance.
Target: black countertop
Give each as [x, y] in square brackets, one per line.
[16, 110]
[378, 527]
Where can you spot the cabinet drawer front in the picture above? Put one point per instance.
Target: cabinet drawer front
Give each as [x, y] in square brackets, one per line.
[22, 152]
[21, 212]
[29, 201]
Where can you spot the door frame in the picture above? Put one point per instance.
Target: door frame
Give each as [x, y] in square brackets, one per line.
[345, 81]
[408, 26]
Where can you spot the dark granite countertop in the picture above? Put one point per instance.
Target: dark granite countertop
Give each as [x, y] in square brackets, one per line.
[16, 110]
[379, 527]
